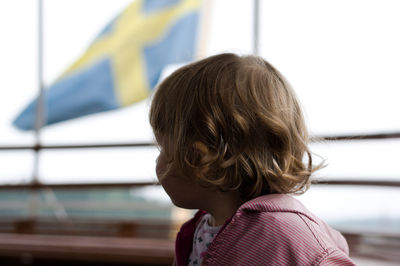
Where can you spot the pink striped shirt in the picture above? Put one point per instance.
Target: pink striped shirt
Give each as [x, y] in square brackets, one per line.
[274, 229]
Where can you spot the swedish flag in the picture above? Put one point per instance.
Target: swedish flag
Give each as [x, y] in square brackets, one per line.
[123, 63]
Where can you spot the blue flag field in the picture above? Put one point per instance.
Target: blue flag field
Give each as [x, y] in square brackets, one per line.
[124, 63]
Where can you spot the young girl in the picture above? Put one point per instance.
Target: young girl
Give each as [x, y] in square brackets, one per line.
[233, 144]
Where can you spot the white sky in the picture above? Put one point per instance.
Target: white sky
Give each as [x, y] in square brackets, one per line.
[342, 57]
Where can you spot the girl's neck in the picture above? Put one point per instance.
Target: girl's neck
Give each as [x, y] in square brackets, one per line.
[222, 206]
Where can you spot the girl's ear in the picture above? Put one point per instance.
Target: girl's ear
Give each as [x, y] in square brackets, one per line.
[198, 156]
[200, 147]
[198, 159]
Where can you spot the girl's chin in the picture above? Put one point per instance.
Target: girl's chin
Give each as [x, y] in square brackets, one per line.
[183, 204]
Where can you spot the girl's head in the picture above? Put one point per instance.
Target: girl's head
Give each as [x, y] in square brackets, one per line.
[231, 123]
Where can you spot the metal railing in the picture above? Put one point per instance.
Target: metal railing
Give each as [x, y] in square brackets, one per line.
[319, 139]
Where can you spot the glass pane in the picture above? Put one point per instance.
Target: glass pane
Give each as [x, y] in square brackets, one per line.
[342, 58]
[111, 203]
[129, 124]
[230, 31]
[359, 159]
[352, 208]
[66, 40]
[98, 165]
[18, 65]
[130, 212]
[16, 167]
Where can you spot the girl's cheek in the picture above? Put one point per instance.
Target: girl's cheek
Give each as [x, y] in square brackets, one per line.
[160, 165]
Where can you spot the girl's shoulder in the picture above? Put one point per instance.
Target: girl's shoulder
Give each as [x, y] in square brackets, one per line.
[276, 229]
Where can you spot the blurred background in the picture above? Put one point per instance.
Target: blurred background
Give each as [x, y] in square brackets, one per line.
[80, 186]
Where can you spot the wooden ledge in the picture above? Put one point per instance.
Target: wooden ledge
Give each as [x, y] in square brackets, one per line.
[111, 249]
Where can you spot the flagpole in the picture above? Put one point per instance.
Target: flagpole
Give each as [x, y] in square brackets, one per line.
[34, 197]
[203, 29]
[256, 27]
[40, 103]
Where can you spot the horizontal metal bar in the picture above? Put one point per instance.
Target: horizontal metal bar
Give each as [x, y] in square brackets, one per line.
[78, 146]
[90, 205]
[77, 186]
[375, 136]
[349, 182]
[394, 135]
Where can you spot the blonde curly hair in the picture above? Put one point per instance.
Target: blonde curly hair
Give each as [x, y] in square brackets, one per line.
[233, 123]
